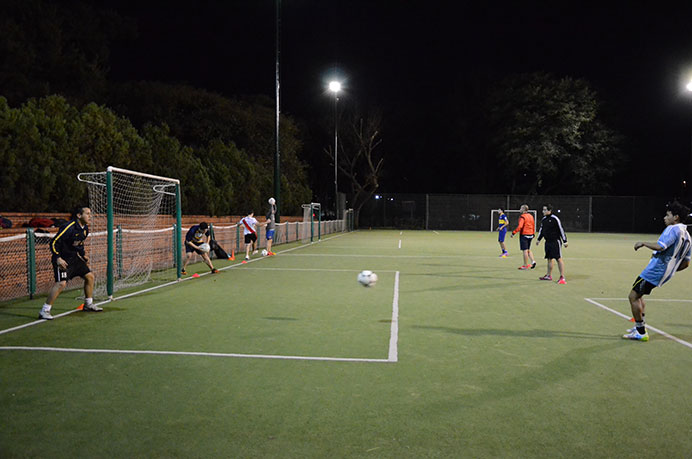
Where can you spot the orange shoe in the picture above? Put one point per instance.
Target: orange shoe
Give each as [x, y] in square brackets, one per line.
[214, 271]
[524, 267]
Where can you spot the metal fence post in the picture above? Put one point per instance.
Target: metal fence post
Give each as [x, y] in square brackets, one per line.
[31, 261]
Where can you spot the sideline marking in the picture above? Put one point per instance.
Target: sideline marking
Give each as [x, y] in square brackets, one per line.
[399, 243]
[627, 317]
[394, 330]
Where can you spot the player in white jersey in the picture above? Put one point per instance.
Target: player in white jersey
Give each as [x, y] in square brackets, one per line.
[248, 223]
[672, 253]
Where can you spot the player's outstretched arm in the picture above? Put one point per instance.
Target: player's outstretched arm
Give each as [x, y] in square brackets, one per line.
[648, 245]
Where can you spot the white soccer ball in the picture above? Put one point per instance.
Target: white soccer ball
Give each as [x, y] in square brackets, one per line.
[204, 247]
[264, 252]
[367, 278]
[272, 201]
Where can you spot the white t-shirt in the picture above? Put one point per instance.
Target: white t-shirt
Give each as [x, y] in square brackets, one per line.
[248, 224]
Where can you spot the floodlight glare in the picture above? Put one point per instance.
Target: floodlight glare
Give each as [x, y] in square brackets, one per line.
[689, 86]
[334, 86]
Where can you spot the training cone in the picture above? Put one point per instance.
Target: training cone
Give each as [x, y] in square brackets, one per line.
[632, 320]
[232, 257]
[80, 307]
[195, 275]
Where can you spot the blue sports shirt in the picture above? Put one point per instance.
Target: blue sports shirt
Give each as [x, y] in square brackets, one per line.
[675, 241]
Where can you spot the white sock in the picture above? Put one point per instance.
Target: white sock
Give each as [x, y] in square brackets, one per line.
[88, 301]
[46, 307]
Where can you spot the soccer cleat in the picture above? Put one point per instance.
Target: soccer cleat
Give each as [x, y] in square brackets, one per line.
[562, 281]
[45, 315]
[503, 255]
[254, 252]
[546, 277]
[523, 267]
[183, 272]
[533, 265]
[92, 308]
[636, 336]
[214, 271]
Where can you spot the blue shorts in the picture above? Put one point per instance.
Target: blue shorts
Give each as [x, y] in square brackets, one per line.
[270, 235]
[501, 236]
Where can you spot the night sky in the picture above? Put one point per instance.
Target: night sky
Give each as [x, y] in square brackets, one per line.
[412, 59]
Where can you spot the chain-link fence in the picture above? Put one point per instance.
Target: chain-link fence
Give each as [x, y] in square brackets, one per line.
[622, 214]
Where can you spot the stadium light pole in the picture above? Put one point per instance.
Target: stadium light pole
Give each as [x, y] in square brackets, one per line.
[335, 87]
[689, 177]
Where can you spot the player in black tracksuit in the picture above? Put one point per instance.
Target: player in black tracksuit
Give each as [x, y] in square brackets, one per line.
[551, 230]
[70, 261]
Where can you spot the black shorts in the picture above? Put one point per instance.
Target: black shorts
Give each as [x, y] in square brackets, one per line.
[642, 287]
[553, 250]
[75, 267]
[525, 241]
[250, 238]
[189, 248]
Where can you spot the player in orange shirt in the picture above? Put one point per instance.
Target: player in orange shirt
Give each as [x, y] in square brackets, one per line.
[526, 229]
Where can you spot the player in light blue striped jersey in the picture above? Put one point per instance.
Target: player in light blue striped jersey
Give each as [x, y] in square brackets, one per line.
[672, 253]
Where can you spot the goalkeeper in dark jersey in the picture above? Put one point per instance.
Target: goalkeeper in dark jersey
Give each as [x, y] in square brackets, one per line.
[70, 261]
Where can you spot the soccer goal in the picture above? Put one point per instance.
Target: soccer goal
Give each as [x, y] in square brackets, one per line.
[512, 216]
[135, 229]
[312, 222]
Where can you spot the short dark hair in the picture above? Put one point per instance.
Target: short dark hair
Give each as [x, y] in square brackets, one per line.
[548, 207]
[682, 211]
[78, 210]
[203, 225]
[503, 210]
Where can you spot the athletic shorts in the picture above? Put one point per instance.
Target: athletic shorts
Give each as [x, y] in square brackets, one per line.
[525, 241]
[270, 235]
[250, 238]
[642, 287]
[553, 250]
[501, 236]
[76, 267]
[189, 248]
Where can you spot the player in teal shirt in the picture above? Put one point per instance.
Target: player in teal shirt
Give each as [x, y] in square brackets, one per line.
[503, 223]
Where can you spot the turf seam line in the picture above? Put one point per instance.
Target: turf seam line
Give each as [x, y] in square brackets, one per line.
[626, 317]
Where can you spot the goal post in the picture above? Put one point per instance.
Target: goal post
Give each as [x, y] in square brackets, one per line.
[135, 230]
[512, 215]
[311, 212]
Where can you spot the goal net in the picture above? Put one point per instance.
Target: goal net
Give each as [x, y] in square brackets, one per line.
[134, 230]
[512, 216]
[311, 227]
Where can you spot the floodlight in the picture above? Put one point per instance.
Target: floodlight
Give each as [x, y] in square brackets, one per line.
[334, 86]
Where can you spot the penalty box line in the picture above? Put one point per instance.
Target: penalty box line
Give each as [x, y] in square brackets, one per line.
[392, 357]
[167, 284]
[627, 317]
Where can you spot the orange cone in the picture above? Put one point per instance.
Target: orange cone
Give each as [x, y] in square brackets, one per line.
[195, 275]
[80, 307]
[232, 257]
[632, 320]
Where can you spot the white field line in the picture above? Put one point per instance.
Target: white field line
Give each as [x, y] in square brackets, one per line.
[199, 354]
[318, 269]
[627, 317]
[139, 292]
[394, 329]
[436, 232]
[399, 243]
[647, 300]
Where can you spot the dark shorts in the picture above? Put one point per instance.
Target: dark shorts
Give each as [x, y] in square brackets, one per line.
[525, 242]
[76, 267]
[250, 238]
[553, 250]
[189, 248]
[501, 236]
[642, 287]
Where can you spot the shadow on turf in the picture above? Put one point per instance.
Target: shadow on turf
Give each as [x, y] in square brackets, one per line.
[514, 333]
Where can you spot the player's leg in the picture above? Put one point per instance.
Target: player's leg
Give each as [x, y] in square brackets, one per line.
[637, 305]
[207, 260]
[89, 293]
[188, 256]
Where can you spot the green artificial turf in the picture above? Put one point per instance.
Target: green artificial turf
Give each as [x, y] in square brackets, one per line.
[491, 361]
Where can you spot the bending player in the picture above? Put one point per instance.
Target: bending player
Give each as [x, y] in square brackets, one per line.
[197, 235]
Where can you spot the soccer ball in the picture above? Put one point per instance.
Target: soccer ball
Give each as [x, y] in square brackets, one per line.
[367, 278]
[271, 201]
[204, 247]
[264, 252]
